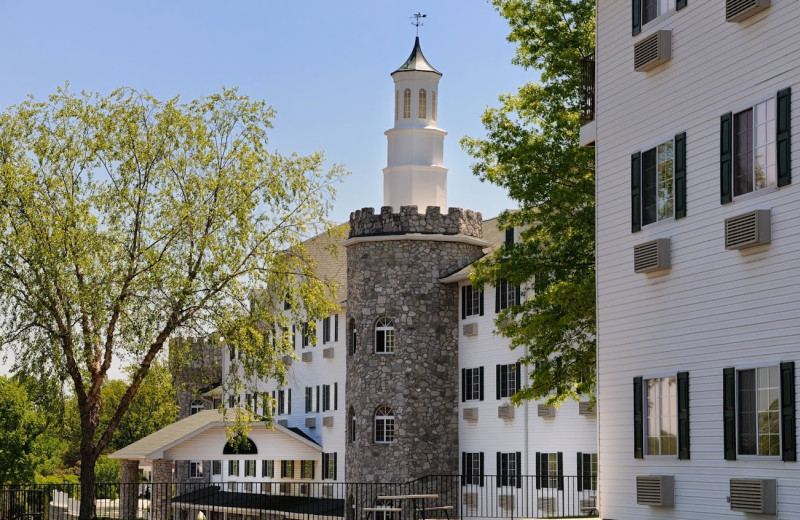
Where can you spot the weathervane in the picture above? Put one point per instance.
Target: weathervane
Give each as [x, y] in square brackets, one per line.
[418, 20]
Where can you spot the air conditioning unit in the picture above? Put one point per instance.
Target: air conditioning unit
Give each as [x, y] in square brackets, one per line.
[327, 491]
[748, 230]
[738, 10]
[655, 490]
[470, 414]
[652, 51]
[470, 329]
[505, 411]
[287, 360]
[327, 421]
[328, 353]
[470, 500]
[586, 408]
[547, 505]
[284, 423]
[546, 411]
[651, 256]
[754, 495]
[306, 357]
[506, 502]
[311, 422]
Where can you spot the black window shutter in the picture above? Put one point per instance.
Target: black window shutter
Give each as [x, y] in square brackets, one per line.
[519, 377]
[683, 415]
[313, 462]
[325, 466]
[497, 296]
[316, 409]
[636, 11]
[335, 396]
[510, 236]
[463, 385]
[289, 404]
[636, 191]
[680, 4]
[518, 473]
[638, 424]
[308, 399]
[517, 295]
[480, 466]
[560, 471]
[726, 158]
[463, 468]
[783, 137]
[500, 473]
[335, 327]
[335, 465]
[480, 376]
[538, 470]
[729, 412]
[481, 302]
[497, 381]
[788, 433]
[580, 471]
[680, 175]
[464, 301]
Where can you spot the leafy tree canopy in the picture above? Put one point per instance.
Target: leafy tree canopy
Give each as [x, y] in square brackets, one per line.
[532, 149]
[21, 424]
[125, 220]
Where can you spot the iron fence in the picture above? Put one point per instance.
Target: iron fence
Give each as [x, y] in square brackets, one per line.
[456, 496]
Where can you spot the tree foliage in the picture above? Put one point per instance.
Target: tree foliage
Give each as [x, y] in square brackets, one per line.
[125, 220]
[21, 424]
[532, 149]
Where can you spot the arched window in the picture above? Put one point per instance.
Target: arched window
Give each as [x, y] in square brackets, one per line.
[423, 104]
[407, 103]
[384, 425]
[351, 423]
[433, 105]
[352, 336]
[384, 336]
[197, 406]
[240, 445]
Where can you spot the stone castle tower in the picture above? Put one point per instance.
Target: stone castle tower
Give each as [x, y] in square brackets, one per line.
[402, 365]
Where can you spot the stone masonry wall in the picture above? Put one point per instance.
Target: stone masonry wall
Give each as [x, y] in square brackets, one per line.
[456, 221]
[419, 381]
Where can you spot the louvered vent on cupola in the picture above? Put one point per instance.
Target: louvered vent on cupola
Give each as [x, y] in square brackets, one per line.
[651, 256]
[738, 10]
[753, 495]
[655, 490]
[652, 51]
[748, 230]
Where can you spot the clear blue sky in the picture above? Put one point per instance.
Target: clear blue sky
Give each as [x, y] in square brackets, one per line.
[323, 64]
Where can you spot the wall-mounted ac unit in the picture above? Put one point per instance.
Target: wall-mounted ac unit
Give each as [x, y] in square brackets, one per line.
[748, 230]
[651, 256]
[470, 500]
[328, 353]
[306, 357]
[505, 411]
[546, 411]
[655, 490]
[327, 421]
[586, 408]
[754, 495]
[738, 10]
[284, 423]
[327, 490]
[506, 502]
[287, 360]
[311, 422]
[547, 505]
[470, 414]
[470, 329]
[652, 51]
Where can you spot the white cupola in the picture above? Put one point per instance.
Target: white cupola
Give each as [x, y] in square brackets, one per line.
[414, 174]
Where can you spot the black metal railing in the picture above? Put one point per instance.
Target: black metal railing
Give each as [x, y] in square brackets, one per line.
[587, 88]
[457, 496]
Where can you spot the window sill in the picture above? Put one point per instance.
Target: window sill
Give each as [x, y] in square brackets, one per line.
[755, 193]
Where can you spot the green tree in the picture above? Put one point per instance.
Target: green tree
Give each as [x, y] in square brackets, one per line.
[125, 220]
[532, 149]
[20, 426]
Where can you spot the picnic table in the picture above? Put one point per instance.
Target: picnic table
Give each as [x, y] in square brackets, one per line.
[417, 504]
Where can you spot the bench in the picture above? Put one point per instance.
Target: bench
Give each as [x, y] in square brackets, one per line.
[385, 509]
[445, 509]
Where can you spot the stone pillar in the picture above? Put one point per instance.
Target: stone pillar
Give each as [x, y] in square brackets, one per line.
[160, 507]
[128, 488]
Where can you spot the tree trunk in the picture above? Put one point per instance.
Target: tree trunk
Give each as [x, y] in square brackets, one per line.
[87, 480]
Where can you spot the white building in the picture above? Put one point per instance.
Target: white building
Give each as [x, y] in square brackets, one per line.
[696, 258]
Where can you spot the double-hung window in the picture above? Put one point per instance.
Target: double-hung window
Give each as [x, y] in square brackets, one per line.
[330, 396]
[307, 469]
[287, 469]
[472, 468]
[306, 334]
[587, 471]
[471, 301]
[472, 384]
[233, 468]
[661, 416]
[506, 295]
[250, 468]
[195, 469]
[326, 330]
[329, 466]
[645, 11]
[759, 412]
[755, 147]
[658, 182]
[549, 471]
[384, 425]
[384, 336]
[216, 467]
[508, 380]
[312, 399]
[508, 469]
[285, 401]
[268, 468]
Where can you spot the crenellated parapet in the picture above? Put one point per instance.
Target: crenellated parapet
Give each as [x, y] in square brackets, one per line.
[365, 222]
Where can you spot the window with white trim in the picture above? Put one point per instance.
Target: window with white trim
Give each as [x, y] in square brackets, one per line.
[330, 396]
[508, 468]
[287, 469]
[471, 301]
[384, 425]
[658, 183]
[351, 422]
[422, 111]
[268, 468]
[758, 411]
[587, 471]
[216, 467]
[754, 161]
[549, 469]
[507, 294]
[508, 380]
[407, 103]
[326, 330]
[661, 422]
[233, 468]
[472, 381]
[307, 469]
[197, 406]
[472, 468]
[195, 469]
[384, 336]
[312, 399]
[329, 466]
[249, 468]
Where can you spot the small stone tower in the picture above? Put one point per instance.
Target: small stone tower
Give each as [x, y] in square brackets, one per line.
[402, 365]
